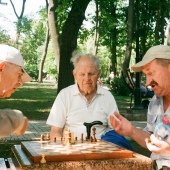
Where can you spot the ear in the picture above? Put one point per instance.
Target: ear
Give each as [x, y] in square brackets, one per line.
[74, 74]
[2, 65]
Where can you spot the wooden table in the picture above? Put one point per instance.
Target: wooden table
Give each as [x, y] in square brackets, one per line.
[137, 162]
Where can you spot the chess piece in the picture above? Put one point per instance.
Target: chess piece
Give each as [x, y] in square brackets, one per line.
[94, 134]
[42, 137]
[69, 144]
[48, 136]
[43, 159]
[72, 138]
[66, 136]
[91, 138]
[81, 138]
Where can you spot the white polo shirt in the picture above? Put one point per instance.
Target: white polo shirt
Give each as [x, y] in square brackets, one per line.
[71, 110]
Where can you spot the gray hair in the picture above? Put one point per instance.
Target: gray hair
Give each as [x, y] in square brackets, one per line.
[75, 59]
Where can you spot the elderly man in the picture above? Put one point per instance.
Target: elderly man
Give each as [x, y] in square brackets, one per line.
[156, 66]
[85, 101]
[12, 75]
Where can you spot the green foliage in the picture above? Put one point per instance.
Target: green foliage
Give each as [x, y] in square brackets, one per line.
[118, 87]
[4, 37]
[50, 63]
[34, 39]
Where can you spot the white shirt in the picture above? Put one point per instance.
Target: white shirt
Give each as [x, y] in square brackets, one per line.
[71, 109]
[155, 112]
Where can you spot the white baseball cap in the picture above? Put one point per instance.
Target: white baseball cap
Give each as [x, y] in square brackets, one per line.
[158, 51]
[13, 55]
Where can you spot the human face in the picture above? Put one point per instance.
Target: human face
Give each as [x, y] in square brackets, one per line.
[86, 75]
[10, 78]
[158, 77]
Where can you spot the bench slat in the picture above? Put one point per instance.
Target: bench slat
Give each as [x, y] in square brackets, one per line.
[12, 166]
[2, 164]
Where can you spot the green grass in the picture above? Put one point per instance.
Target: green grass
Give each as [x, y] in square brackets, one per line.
[33, 99]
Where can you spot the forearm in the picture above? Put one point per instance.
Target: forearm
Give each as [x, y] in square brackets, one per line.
[11, 121]
[139, 136]
[55, 133]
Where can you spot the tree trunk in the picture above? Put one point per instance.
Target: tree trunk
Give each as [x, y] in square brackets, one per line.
[125, 65]
[47, 39]
[162, 36]
[19, 21]
[144, 32]
[69, 42]
[52, 18]
[97, 30]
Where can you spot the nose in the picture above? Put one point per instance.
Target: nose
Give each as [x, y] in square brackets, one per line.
[87, 77]
[20, 81]
[148, 80]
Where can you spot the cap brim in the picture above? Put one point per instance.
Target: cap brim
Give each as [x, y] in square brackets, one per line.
[25, 77]
[138, 67]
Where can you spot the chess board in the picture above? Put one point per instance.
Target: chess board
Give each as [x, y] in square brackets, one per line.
[55, 151]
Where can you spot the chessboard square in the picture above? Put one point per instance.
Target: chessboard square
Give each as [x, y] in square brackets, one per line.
[87, 147]
[114, 149]
[65, 152]
[46, 152]
[99, 147]
[86, 151]
[55, 153]
[61, 149]
[81, 148]
[48, 147]
[37, 147]
[108, 151]
[40, 150]
[94, 150]
[73, 150]
[77, 152]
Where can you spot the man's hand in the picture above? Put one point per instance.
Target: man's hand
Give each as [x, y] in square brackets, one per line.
[121, 125]
[56, 133]
[24, 127]
[158, 146]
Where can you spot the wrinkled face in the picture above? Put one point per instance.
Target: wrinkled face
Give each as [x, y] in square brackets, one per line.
[10, 78]
[158, 77]
[86, 75]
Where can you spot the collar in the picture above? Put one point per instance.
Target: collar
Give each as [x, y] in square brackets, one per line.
[75, 90]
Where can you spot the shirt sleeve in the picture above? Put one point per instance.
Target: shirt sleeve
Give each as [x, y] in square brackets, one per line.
[11, 121]
[112, 108]
[57, 116]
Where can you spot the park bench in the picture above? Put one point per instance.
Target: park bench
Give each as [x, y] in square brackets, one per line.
[131, 85]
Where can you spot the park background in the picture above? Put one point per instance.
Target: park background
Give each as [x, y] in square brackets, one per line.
[119, 32]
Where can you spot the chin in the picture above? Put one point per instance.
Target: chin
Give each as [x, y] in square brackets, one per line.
[8, 94]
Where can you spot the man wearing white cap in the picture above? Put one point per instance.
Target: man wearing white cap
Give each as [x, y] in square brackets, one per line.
[12, 75]
[156, 66]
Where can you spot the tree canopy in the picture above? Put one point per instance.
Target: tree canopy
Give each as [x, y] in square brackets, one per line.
[112, 35]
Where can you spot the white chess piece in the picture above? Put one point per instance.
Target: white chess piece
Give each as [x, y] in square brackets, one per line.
[43, 158]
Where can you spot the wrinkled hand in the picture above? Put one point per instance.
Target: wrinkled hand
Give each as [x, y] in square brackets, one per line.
[158, 146]
[121, 125]
[24, 128]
